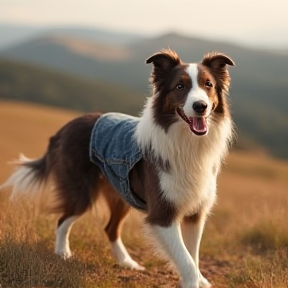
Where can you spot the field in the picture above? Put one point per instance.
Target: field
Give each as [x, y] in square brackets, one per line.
[245, 243]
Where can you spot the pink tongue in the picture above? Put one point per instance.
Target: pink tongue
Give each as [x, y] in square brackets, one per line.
[198, 125]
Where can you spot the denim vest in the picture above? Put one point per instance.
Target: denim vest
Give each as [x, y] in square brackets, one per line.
[114, 149]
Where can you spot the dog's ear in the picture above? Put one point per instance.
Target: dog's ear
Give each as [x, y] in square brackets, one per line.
[217, 64]
[164, 62]
[217, 60]
[165, 59]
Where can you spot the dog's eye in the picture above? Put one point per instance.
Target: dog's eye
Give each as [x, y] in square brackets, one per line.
[180, 86]
[208, 84]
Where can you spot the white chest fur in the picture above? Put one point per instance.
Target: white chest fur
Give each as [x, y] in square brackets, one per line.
[194, 161]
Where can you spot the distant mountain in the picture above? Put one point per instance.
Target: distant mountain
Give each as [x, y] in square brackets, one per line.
[259, 80]
[96, 35]
[11, 35]
[14, 35]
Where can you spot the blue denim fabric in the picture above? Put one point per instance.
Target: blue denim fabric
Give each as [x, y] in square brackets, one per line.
[114, 149]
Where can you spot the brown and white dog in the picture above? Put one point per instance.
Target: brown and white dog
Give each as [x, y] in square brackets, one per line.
[184, 132]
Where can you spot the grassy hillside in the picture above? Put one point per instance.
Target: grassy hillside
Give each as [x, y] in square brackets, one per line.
[26, 128]
[245, 242]
[24, 82]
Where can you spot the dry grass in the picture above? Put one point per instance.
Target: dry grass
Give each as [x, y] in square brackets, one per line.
[245, 243]
[249, 225]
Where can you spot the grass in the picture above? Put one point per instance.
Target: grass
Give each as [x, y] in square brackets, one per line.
[245, 243]
[266, 236]
[26, 260]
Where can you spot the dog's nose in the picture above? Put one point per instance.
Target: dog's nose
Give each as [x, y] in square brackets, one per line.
[199, 106]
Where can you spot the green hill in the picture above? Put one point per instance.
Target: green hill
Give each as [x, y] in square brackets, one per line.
[25, 82]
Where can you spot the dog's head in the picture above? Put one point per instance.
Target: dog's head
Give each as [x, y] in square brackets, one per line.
[190, 92]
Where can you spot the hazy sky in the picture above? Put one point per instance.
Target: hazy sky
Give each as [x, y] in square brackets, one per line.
[252, 21]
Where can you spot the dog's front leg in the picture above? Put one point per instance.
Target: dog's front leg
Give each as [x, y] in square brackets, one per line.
[172, 244]
[192, 229]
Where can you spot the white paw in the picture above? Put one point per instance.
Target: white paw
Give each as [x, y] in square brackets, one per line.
[129, 263]
[66, 254]
[183, 284]
[203, 282]
[123, 257]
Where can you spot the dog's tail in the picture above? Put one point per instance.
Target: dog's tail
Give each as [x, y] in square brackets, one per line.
[29, 177]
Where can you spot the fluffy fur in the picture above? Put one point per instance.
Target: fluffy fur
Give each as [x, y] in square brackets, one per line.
[184, 133]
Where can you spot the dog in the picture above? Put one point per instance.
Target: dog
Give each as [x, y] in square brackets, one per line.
[164, 162]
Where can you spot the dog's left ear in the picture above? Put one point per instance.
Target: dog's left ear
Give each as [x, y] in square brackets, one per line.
[164, 62]
[217, 64]
[217, 61]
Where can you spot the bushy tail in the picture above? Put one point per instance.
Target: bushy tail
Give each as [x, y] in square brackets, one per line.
[28, 178]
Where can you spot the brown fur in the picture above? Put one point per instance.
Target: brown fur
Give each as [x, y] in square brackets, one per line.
[144, 181]
[118, 209]
[75, 177]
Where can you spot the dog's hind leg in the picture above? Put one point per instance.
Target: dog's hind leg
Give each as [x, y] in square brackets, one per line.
[62, 246]
[74, 196]
[72, 209]
[73, 205]
[118, 212]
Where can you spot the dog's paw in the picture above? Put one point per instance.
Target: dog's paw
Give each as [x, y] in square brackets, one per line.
[203, 282]
[183, 284]
[129, 263]
[64, 254]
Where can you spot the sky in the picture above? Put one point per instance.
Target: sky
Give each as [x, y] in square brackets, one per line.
[248, 22]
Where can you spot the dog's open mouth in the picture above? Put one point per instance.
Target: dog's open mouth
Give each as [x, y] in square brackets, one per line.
[198, 125]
